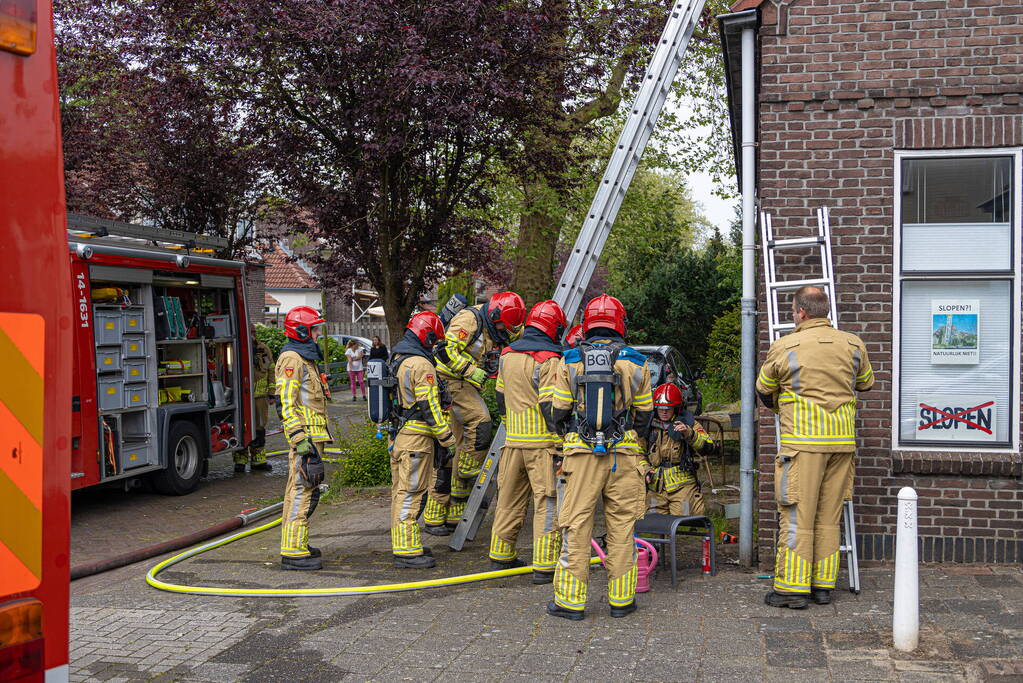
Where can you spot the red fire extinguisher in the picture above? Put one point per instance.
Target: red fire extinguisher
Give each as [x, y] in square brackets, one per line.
[706, 554]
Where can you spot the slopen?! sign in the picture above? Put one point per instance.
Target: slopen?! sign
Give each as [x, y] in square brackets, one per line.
[955, 331]
[955, 417]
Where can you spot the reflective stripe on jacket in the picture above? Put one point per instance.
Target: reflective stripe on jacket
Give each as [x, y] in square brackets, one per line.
[526, 384]
[813, 375]
[466, 344]
[303, 399]
[417, 389]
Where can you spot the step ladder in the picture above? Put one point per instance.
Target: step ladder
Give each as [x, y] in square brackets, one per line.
[660, 74]
[775, 288]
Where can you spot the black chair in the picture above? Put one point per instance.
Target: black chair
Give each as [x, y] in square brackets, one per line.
[665, 529]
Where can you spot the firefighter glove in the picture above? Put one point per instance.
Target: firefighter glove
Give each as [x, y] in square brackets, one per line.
[310, 464]
[478, 376]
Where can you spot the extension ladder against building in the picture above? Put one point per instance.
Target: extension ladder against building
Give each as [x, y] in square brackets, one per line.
[775, 288]
[632, 141]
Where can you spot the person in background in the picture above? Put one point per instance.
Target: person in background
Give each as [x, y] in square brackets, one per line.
[378, 350]
[262, 394]
[673, 446]
[356, 367]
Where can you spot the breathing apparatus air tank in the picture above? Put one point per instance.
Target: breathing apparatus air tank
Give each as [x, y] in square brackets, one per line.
[599, 382]
[456, 303]
[381, 387]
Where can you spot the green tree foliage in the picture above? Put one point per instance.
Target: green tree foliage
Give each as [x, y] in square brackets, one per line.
[724, 353]
[679, 299]
[460, 283]
[273, 337]
[658, 217]
[602, 55]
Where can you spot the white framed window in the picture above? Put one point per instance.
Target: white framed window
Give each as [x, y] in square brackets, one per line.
[956, 300]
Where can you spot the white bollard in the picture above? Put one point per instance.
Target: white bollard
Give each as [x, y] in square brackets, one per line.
[906, 612]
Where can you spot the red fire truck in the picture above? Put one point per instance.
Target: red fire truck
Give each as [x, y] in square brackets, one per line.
[162, 355]
[35, 338]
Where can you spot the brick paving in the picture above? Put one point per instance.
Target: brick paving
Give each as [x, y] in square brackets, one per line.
[709, 629]
[103, 518]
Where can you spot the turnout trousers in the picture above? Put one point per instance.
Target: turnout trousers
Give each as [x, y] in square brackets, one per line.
[255, 454]
[809, 489]
[526, 473]
[411, 474]
[686, 501]
[588, 478]
[473, 431]
[299, 503]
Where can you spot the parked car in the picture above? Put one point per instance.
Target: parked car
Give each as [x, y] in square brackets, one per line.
[668, 365]
[343, 340]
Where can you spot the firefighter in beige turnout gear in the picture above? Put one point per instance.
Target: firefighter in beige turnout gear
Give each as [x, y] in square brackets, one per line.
[303, 400]
[810, 378]
[465, 360]
[262, 392]
[525, 389]
[672, 457]
[423, 427]
[604, 465]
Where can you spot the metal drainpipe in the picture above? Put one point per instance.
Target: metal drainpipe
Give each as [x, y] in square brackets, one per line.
[747, 450]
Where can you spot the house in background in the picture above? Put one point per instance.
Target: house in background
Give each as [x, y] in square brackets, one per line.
[905, 120]
[289, 282]
[271, 308]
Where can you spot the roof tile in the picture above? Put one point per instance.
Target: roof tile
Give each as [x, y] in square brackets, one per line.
[283, 273]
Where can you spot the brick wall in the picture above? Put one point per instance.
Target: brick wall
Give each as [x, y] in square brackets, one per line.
[843, 84]
[255, 288]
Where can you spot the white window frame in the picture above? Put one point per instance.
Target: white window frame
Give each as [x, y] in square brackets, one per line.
[897, 279]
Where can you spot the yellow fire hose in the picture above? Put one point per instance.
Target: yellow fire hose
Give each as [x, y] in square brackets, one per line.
[331, 451]
[309, 592]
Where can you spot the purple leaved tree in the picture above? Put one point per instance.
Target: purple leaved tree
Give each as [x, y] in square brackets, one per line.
[148, 136]
[387, 121]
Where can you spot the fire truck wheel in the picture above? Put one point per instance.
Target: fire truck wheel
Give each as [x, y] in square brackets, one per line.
[185, 458]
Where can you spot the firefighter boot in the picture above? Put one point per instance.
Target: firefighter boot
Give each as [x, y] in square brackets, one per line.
[239, 467]
[498, 565]
[556, 610]
[414, 562]
[542, 577]
[790, 600]
[314, 552]
[623, 611]
[437, 529]
[301, 564]
[821, 596]
[264, 466]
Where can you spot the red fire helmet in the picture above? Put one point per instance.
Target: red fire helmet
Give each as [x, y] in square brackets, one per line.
[575, 335]
[300, 321]
[548, 317]
[667, 396]
[427, 327]
[507, 308]
[604, 311]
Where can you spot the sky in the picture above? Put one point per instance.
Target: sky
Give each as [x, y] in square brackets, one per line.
[720, 212]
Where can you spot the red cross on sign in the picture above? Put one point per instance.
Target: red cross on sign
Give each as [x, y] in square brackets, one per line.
[957, 416]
